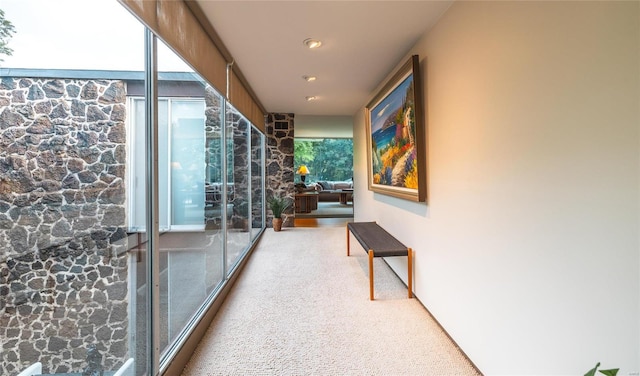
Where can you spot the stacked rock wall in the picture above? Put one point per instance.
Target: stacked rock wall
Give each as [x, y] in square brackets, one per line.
[213, 152]
[280, 173]
[256, 179]
[63, 265]
[237, 127]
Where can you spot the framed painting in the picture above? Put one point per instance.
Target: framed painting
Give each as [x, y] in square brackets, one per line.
[396, 138]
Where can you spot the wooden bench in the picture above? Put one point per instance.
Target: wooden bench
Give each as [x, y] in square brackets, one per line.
[378, 243]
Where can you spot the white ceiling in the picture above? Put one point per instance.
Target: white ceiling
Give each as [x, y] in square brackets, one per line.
[362, 42]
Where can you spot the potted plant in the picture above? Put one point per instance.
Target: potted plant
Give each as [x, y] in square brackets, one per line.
[607, 372]
[278, 205]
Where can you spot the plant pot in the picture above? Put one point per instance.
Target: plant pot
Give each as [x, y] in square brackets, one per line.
[277, 224]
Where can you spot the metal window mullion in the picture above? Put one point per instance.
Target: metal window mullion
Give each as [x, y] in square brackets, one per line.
[263, 166]
[153, 225]
[169, 170]
[223, 220]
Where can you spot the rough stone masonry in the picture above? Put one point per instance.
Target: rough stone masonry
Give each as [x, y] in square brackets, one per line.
[63, 265]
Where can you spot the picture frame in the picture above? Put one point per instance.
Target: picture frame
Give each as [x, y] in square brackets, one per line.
[396, 136]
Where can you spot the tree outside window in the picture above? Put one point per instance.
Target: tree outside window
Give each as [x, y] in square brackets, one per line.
[327, 158]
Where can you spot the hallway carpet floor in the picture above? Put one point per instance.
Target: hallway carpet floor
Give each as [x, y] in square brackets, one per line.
[301, 307]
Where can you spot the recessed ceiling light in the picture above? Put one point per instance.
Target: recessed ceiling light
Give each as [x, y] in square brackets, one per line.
[311, 98]
[312, 43]
[309, 78]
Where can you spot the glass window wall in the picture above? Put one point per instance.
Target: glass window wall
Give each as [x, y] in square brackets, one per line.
[257, 182]
[69, 264]
[328, 159]
[190, 253]
[74, 255]
[238, 225]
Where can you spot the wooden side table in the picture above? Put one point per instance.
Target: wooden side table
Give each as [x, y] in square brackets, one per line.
[306, 202]
[344, 195]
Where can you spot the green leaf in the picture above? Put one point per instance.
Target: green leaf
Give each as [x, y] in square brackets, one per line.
[592, 372]
[609, 372]
[6, 31]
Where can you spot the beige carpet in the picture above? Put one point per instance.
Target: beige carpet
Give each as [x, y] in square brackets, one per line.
[301, 307]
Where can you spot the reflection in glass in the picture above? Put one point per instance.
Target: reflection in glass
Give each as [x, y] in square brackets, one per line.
[238, 235]
[73, 191]
[257, 182]
[71, 248]
[191, 247]
[187, 163]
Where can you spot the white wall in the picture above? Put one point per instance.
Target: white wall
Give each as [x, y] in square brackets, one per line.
[528, 251]
[313, 126]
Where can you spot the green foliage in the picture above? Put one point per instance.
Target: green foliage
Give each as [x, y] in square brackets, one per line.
[6, 32]
[327, 158]
[278, 205]
[303, 152]
[607, 372]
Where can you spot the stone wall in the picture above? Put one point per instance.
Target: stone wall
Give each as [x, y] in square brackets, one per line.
[256, 179]
[213, 159]
[280, 172]
[237, 147]
[63, 265]
[237, 128]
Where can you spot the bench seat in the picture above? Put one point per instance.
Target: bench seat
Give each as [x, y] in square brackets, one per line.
[377, 242]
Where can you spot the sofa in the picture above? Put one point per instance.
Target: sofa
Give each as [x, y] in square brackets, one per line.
[329, 191]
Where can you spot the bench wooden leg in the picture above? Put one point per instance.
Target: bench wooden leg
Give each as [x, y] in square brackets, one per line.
[347, 240]
[371, 274]
[410, 272]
